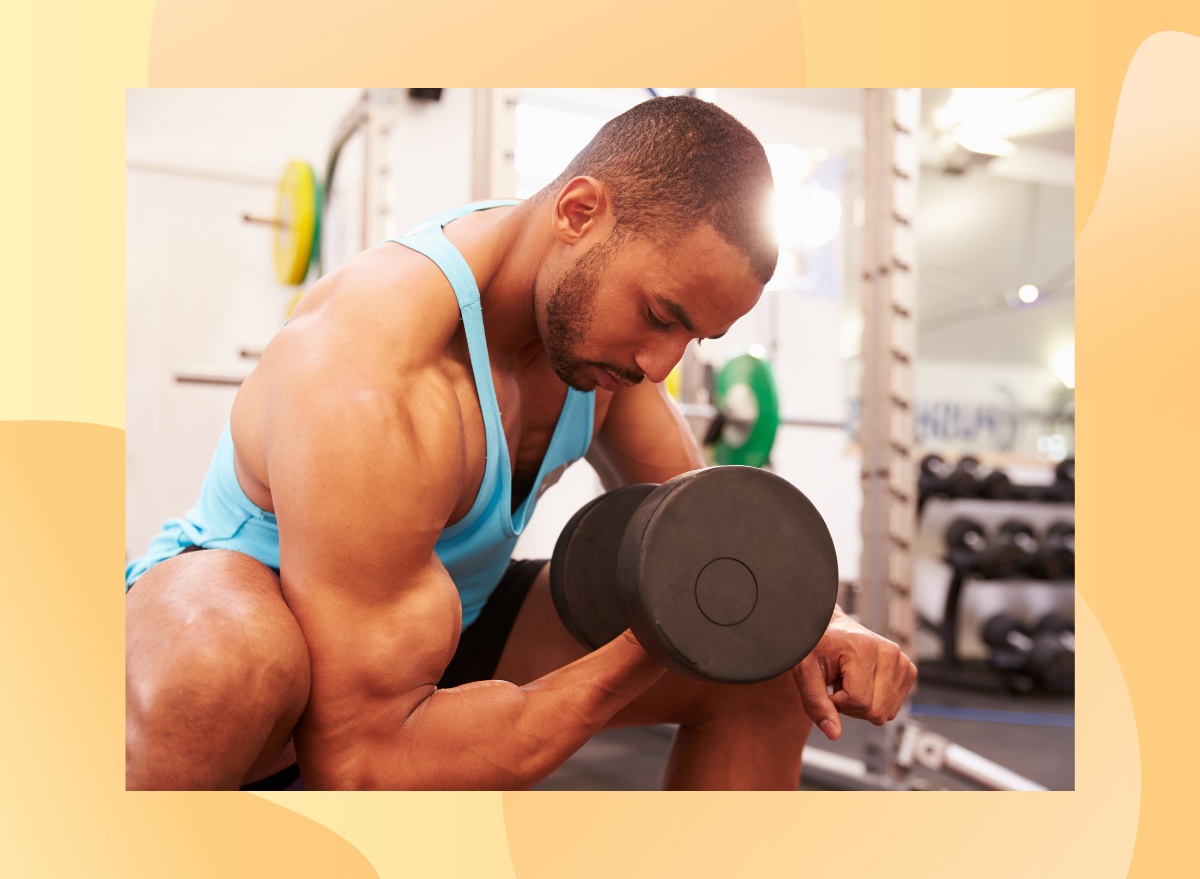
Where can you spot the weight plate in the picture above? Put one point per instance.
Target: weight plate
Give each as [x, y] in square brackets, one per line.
[727, 574]
[296, 211]
[314, 252]
[583, 569]
[745, 392]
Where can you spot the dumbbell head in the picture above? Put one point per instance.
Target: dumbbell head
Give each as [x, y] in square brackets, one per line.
[1056, 558]
[583, 569]
[1063, 488]
[1064, 471]
[965, 542]
[933, 465]
[1055, 623]
[1008, 659]
[1062, 532]
[1016, 549]
[1020, 534]
[964, 480]
[727, 574]
[1052, 663]
[931, 483]
[998, 629]
[997, 485]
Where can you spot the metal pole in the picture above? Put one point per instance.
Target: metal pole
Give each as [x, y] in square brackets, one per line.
[892, 166]
[379, 185]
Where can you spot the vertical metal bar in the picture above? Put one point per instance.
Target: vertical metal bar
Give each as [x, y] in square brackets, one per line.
[379, 183]
[891, 170]
[481, 169]
[493, 161]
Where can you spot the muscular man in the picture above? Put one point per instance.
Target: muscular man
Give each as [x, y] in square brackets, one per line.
[355, 593]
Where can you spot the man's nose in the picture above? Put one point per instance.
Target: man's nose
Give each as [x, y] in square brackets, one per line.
[658, 361]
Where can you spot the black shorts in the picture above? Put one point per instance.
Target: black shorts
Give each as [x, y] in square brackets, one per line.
[482, 642]
[478, 653]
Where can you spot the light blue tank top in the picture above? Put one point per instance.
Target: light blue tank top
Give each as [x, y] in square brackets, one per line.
[475, 550]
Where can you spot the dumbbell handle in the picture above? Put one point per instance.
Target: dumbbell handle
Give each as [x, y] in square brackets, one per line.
[974, 541]
[1025, 543]
[1019, 640]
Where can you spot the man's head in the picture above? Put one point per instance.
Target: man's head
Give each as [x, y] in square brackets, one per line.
[665, 221]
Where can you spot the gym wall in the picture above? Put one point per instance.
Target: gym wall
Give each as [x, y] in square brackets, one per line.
[200, 286]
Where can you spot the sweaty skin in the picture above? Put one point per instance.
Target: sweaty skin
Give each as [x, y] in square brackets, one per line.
[360, 428]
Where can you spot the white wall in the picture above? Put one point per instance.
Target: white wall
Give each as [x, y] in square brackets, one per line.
[200, 283]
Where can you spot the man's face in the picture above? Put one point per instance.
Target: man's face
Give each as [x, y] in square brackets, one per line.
[626, 309]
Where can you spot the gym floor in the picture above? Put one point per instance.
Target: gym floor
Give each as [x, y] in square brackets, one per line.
[1032, 735]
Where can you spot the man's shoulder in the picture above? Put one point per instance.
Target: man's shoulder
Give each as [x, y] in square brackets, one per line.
[389, 308]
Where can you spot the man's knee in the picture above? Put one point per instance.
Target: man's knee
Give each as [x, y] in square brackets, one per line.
[775, 702]
[220, 661]
[216, 665]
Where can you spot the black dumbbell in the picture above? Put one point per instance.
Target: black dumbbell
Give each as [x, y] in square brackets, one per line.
[1010, 640]
[997, 486]
[1058, 624]
[1063, 487]
[932, 481]
[1011, 644]
[1045, 655]
[1016, 549]
[966, 544]
[1055, 559]
[964, 478]
[941, 480]
[969, 548]
[726, 574]
[1052, 660]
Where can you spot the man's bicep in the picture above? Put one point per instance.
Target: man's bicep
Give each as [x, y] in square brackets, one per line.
[361, 493]
[644, 438]
[362, 485]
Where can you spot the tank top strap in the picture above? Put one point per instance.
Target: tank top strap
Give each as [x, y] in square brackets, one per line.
[430, 241]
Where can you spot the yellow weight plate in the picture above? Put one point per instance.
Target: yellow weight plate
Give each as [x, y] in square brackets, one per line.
[296, 212]
[675, 381]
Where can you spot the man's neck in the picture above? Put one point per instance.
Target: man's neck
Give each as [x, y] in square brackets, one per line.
[505, 252]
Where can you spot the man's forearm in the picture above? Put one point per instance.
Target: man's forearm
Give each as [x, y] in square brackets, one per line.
[493, 735]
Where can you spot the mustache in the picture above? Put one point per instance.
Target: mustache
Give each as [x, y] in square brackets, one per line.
[632, 376]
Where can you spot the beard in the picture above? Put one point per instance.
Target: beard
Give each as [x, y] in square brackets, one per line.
[569, 314]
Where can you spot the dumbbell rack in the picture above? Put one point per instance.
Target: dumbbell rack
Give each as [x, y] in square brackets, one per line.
[950, 667]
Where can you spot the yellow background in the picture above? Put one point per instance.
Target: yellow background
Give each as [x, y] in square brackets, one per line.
[63, 811]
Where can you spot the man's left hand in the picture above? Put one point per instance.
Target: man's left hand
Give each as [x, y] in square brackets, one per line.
[870, 675]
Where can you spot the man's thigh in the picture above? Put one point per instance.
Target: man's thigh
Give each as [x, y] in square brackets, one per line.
[217, 670]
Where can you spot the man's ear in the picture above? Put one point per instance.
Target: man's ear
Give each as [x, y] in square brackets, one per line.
[582, 208]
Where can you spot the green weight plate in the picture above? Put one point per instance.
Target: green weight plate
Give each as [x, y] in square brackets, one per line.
[745, 390]
[314, 257]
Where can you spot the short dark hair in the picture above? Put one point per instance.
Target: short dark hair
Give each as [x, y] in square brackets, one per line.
[673, 162]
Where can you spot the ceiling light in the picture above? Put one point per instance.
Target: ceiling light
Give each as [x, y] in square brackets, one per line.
[968, 104]
[979, 137]
[1027, 293]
